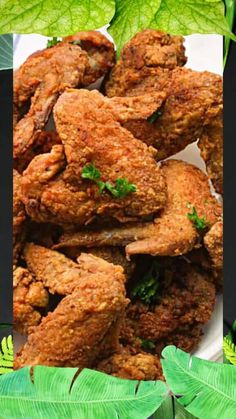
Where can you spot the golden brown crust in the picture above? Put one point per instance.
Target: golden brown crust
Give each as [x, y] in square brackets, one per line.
[213, 241]
[19, 217]
[85, 324]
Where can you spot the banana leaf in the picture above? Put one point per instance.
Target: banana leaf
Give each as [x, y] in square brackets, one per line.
[6, 52]
[230, 13]
[59, 393]
[207, 389]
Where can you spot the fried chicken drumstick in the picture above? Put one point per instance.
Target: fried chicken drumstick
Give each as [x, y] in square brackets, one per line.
[85, 325]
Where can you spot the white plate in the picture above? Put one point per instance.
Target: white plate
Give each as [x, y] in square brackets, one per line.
[204, 52]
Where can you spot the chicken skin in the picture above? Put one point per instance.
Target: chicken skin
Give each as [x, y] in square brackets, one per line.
[19, 217]
[172, 233]
[29, 297]
[85, 325]
[45, 75]
[193, 107]
[53, 189]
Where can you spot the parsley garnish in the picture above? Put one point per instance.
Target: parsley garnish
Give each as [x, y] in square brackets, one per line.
[52, 42]
[147, 288]
[154, 116]
[121, 188]
[199, 223]
[147, 344]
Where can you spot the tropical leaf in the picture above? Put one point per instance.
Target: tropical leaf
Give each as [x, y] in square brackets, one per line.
[229, 350]
[6, 355]
[207, 388]
[165, 410]
[59, 393]
[180, 412]
[6, 52]
[54, 17]
[230, 18]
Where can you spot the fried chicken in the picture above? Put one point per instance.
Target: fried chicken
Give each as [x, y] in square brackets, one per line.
[29, 296]
[172, 233]
[185, 302]
[193, 107]
[87, 125]
[132, 367]
[213, 241]
[85, 325]
[19, 217]
[45, 75]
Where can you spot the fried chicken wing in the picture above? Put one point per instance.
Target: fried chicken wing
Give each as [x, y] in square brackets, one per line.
[88, 128]
[172, 233]
[213, 241]
[29, 295]
[46, 74]
[19, 217]
[85, 325]
[193, 107]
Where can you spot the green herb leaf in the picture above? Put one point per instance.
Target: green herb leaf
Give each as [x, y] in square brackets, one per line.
[147, 288]
[147, 344]
[229, 350]
[230, 17]
[52, 17]
[121, 189]
[131, 16]
[155, 115]
[63, 393]
[199, 223]
[52, 42]
[185, 17]
[6, 52]
[207, 389]
[6, 355]
[90, 172]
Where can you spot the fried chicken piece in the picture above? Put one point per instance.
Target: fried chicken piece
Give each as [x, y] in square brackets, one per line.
[88, 128]
[147, 50]
[100, 51]
[19, 217]
[213, 241]
[85, 325]
[132, 367]
[185, 304]
[45, 75]
[192, 110]
[29, 295]
[172, 233]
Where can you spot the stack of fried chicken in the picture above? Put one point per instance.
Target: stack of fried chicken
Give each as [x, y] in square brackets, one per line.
[117, 251]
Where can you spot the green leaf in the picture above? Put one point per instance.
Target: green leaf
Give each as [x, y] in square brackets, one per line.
[121, 189]
[229, 350]
[147, 288]
[6, 52]
[207, 388]
[230, 17]
[131, 16]
[57, 393]
[185, 17]
[199, 223]
[90, 172]
[6, 355]
[166, 410]
[180, 412]
[147, 344]
[54, 17]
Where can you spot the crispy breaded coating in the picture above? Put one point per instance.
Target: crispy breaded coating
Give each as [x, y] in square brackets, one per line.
[19, 217]
[85, 324]
[132, 367]
[87, 125]
[100, 51]
[213, 241]
[186, 300]
[29, 295]
[146, 50]
[172, 233]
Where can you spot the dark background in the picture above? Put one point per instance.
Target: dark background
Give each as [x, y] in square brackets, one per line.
[229, 197]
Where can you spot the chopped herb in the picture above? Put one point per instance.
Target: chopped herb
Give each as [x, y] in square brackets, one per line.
[154, 116]
[199, 223]
[147, 344]
[121, 188]
[52, 42]
[147, 288]
[90, 172]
